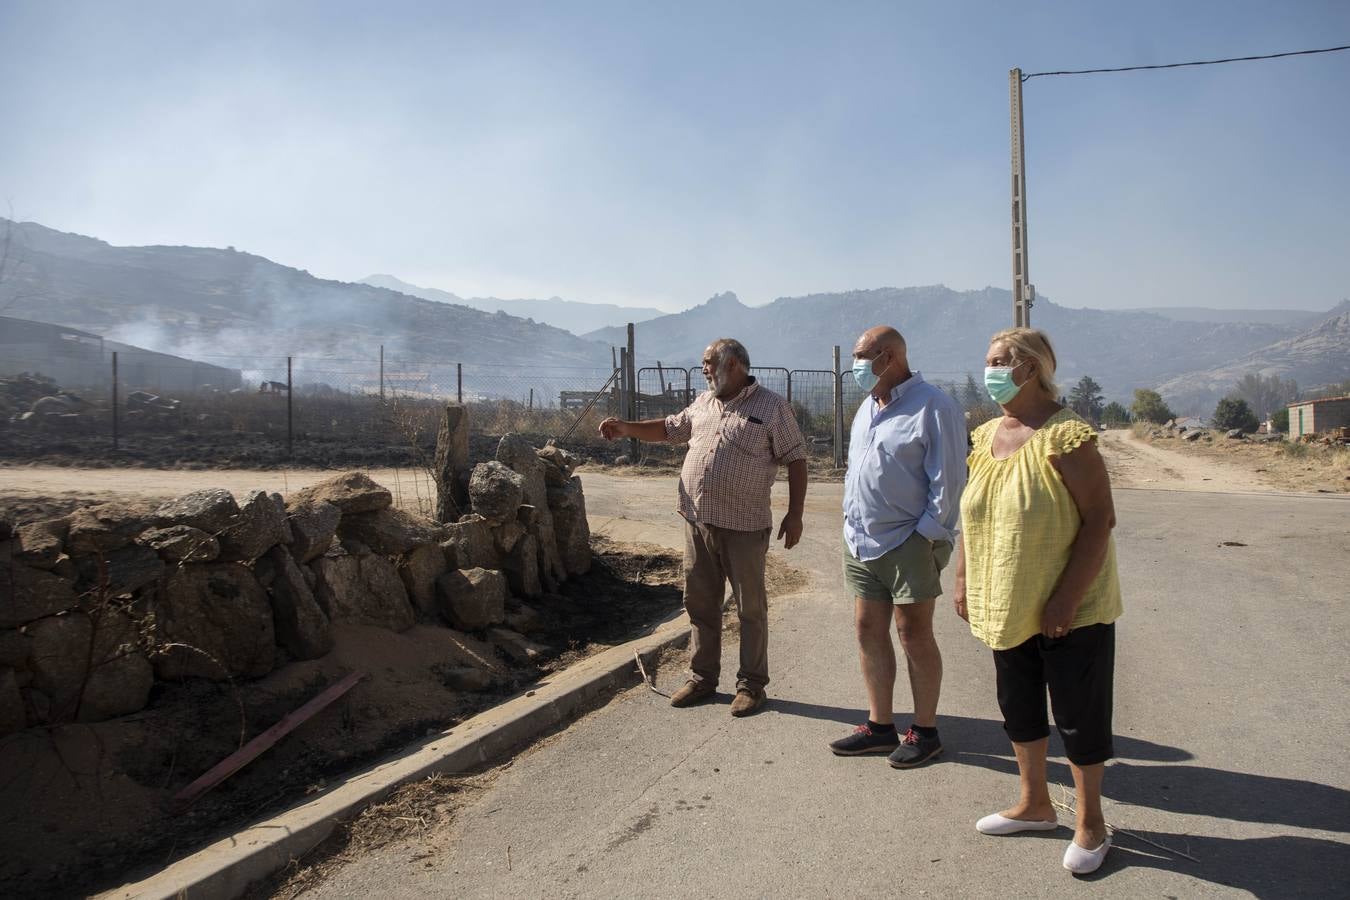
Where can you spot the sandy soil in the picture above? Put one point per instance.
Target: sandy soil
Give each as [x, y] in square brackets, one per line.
[1133, 463]
[31, 491]
[1314, 468]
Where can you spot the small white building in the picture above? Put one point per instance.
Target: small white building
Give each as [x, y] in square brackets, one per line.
[1316, 416]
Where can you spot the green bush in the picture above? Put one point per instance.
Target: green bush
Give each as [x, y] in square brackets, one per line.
[1280, 419]
[1115, 416]
[1233, 412]
[1148, 406]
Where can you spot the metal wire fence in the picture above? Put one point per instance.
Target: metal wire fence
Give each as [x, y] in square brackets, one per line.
[374, 403]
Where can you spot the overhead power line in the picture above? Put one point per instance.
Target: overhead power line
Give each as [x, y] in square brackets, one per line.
[1182, 65]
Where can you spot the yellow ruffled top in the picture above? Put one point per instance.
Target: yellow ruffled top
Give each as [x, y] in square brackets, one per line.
[1019, 523]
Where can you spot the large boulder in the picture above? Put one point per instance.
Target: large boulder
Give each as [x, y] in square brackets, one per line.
[107, 527]
[209, 510]
[90, 669]
[508, 535]
[214, 621]
[13, 716]
[419, 568]
[363, 589]
[558, 464]
[41, 544]
[523, 459]
[15, 648]
[469, 544]
[118, 572]
[495, 492]
[27, 594]
[390, 531]
[567, 504]
[313, 525]
[181, 544]
[257, 528]
[452, 460]
[521, 567]
[301, 626]
[350, 492]
[472, 598]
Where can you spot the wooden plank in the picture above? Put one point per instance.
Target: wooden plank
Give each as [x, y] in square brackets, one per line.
[260, 744]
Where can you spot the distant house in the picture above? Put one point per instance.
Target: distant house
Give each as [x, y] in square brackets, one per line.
[1314, 416]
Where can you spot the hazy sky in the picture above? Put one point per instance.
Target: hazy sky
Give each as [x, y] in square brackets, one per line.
[655, 153]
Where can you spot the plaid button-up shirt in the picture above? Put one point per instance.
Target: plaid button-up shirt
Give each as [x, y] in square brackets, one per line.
[735, 449]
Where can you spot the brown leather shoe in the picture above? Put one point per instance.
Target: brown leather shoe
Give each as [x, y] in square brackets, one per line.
[747, 701]
[691, 693]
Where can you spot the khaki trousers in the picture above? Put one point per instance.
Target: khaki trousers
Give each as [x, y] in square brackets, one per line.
[712, 557]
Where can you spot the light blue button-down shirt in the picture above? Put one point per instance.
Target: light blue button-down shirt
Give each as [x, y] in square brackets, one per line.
[906, 469]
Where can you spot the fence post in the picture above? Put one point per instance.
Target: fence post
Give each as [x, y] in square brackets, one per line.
[789, 385]
[382, 373]
[531, 406]
[116, 436]
[459, 382]
[290, 421]
[838, 413]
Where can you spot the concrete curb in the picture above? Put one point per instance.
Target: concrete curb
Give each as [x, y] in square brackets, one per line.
[225, 869]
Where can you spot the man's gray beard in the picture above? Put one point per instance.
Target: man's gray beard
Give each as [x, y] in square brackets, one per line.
[718, 378]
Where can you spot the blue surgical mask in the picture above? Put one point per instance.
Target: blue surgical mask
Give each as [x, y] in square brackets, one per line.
[999, 382]
[863, 374]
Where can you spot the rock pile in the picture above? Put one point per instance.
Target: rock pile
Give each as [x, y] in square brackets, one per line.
[97, 605]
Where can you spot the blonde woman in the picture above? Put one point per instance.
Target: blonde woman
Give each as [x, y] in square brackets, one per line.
[1036, 579]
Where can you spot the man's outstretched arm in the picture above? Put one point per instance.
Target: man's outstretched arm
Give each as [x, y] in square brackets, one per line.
[651, 430]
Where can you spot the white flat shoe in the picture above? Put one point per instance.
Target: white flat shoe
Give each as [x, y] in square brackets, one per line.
[1083, 862]
[995, 823]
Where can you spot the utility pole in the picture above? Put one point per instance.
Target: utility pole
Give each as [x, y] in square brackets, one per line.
[1024, 293]
[632, 412]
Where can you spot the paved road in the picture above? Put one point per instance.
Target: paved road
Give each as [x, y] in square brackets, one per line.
[1231, 715]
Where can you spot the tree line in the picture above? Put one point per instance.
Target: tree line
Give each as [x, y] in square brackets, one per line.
[1255, 398]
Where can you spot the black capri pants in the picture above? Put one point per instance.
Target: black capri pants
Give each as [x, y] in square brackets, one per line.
[1078, 669]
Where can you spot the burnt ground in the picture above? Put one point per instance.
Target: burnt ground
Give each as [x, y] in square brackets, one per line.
[251, 450]
[243, 450]
[86, 807]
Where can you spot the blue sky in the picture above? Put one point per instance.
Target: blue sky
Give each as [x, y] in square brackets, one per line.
[657, 153]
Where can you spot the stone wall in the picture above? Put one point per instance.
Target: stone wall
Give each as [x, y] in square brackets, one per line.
[97, 605]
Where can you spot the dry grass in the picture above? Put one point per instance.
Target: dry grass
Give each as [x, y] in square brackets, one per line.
[1286, 465]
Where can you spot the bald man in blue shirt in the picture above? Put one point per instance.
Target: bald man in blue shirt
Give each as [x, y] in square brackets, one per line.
[902, 494]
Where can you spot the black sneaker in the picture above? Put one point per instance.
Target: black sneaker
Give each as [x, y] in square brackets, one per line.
[915, 750]
[865, 740]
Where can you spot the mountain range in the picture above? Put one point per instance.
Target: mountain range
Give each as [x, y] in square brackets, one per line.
[948, 333]
[229, 307]
[232, 307]
[571, 315]
[1299, 318]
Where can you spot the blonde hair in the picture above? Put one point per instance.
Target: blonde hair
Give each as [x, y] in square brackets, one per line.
[1031, 343]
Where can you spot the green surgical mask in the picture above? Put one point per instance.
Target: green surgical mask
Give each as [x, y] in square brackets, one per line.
[999, 382]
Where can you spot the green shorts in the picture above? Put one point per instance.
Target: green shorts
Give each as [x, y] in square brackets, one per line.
[907, 574]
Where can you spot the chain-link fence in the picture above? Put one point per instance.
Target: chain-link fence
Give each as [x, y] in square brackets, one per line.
[301, 406]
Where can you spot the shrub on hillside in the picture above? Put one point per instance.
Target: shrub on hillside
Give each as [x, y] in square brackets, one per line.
[1148, 406]
[1115, 416]
[1233, 412]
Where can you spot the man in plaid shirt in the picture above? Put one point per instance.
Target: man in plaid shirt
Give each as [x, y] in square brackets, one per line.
[738, 434]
